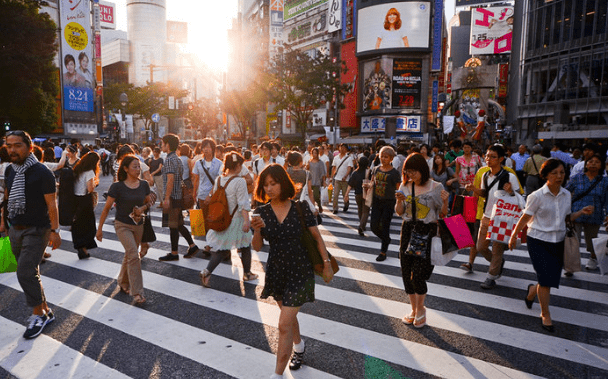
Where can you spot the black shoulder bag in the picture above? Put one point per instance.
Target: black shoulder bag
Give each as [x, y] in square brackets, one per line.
[310, 244]
[421, 234]
[593, 185]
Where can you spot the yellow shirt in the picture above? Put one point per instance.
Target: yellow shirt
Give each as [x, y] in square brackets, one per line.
[477, 183]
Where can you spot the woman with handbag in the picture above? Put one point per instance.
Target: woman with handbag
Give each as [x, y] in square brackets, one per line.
[590, 188]
[289, 272]
[86, 178]
[238, 234]
[421, 201]
[385, 180]
[132, 198]
[545, 214]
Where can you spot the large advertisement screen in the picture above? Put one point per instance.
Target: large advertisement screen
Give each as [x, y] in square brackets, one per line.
[393, 26]
[491, 30]
[407, 83]
[77, 49]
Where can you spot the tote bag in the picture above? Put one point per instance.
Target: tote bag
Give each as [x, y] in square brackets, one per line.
[572, 250]
[8, 262]
[197, 222]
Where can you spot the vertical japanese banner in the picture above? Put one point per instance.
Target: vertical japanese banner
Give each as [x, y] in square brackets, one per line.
[503, 81]
[334, 16]
[276, 27]
[77, 51]
[435, 96]
[437, 29]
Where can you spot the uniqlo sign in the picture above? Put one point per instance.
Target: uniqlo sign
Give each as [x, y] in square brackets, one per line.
[107, 15]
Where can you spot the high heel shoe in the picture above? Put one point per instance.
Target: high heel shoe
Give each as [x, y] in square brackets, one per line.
[529, 302]
[82, 254]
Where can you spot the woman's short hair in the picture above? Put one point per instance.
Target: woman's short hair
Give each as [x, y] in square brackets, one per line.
[602, 163]
[185, 150]
[417, 162]
[294, 158]
[210, 142]
[125, 163]
[550, 165]
[232, 160]
[279, 175]
[389, 150]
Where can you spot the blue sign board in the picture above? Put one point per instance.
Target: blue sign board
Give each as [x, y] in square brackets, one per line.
[155, 117]
[435, 95]
[437, 40]
[78, 99]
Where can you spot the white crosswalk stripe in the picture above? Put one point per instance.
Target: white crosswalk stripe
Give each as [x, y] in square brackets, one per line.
[471, 333]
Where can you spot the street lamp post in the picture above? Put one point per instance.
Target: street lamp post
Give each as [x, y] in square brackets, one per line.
[124, 100]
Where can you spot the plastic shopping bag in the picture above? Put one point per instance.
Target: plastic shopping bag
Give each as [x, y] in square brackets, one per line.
[438, 258]
[197, 222]
[600, 245]
[8, 262]
[506, 213]
[324, 196]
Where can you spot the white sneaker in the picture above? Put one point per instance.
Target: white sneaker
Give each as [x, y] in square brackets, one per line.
[591, 264]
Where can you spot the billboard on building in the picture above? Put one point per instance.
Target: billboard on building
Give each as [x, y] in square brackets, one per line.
[377, 84]
[177, 32]
[295, 8]
[464, 3]
[394, 26]
[107, 12]
[491, 30]
[78, 80]
[407, 83]
[334, 15]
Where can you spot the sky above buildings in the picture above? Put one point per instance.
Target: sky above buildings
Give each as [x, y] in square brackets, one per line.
[208, 22]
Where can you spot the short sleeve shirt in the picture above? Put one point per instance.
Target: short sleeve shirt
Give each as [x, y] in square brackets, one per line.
[386, 183]
[80, 184]
[173, 165]
[126, 198]
[491, 200]
[343, 167]
[39, 181]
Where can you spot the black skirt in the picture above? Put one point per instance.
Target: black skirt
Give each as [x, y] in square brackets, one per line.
[83, 225]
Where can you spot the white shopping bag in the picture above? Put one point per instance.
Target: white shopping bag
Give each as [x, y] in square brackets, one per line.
[601, 251]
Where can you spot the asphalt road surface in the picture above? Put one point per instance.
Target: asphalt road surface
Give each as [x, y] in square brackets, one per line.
[352, 330]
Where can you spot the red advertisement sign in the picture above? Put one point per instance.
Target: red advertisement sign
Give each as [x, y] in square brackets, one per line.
[503, 81]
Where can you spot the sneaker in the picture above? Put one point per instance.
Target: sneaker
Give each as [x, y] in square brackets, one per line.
[296, 361]
[192, 252]
[488, 284]
[169, 257]
[467, 267]
[51, 316]
[591, 264]
[381, 257]
[36, 325]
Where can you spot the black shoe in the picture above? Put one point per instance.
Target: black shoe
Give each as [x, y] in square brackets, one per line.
[346, 206]
[361, 232]
[529, 302]
[36, 325]
[83, 254]
[568, 274]
[169, 257]
[381, 257]
[192, 252]
[548, 328]
[296, 361]
[336, 212]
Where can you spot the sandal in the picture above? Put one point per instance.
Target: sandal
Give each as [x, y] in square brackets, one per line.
[144, 250]
[249, 276]
[124, 290]
[418, 323]
[467, 267]
[139, 299]
[205, 275]
[409, 319]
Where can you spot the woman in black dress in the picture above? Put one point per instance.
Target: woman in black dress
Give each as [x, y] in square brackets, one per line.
[289, 274]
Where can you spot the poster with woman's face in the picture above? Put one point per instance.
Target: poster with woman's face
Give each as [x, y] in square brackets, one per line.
[394, 26]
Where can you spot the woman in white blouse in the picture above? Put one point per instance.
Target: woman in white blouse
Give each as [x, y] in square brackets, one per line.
[547, 210]
[86, 178]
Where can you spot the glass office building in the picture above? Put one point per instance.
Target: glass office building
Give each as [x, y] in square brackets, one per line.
[564, 70]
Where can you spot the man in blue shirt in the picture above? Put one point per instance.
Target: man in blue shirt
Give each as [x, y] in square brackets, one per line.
[520, 159]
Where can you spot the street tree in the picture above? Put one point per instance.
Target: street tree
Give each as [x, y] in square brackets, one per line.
[243, 104]
[302, 83]
[28, 77]
[203, 115]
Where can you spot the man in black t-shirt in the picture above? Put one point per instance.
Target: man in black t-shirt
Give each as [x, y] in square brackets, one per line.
[34, 223]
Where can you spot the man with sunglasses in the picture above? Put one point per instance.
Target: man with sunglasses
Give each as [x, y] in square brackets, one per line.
[33, 220]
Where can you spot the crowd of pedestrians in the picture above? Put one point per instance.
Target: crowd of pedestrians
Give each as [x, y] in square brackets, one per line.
[262, 187]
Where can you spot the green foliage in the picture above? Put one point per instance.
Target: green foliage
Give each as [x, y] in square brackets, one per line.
[204, 115]
[28, 77]
[243, 104]
[301, 84]
[145, 101]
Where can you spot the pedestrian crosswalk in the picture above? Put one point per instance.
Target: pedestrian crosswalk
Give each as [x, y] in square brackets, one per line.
[353, 330]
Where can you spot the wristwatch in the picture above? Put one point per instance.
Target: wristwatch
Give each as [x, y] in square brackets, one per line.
[55, 230]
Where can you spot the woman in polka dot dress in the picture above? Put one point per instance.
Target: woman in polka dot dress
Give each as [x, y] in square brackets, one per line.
[289, 274]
